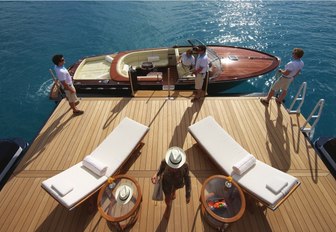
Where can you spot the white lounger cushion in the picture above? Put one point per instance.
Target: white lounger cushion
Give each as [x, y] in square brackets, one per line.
[82, 181]
[119, 144]
[256, 178]
[112, 152]
[226, 152]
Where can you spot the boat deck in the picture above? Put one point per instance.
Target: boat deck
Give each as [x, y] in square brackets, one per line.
[271, 134]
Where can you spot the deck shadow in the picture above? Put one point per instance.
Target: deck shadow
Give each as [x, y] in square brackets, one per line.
[181, 131]
[116, 110]
[78, 218]
[313, 166]
[42, 140]
[277, 146]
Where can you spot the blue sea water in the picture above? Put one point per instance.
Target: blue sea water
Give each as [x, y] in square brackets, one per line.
[31, 32]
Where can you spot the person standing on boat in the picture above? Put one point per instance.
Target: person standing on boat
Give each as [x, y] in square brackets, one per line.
[186, 62]
[174, 172]
[292, 70]
[201, 69]
[67, 85]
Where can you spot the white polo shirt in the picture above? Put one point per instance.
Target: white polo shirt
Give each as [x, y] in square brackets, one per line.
[187, 60]
[202, 62]
[294, 66]
[63, 74]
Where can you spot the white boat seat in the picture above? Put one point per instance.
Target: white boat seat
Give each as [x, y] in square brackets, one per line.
[268, 185]
[79, 182]
[159, 58]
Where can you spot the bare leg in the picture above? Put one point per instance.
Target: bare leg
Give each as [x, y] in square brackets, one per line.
[74, 108]
[197, 95]
[174, 195]
[268, 98]
[282, 96]
[270, 95]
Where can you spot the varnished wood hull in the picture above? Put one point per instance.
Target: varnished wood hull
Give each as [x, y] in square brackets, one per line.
[230, 66]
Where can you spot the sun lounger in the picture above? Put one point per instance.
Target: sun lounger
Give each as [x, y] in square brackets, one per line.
[268, 185]
[77, 183]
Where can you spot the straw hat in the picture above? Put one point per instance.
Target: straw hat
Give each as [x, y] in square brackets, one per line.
[175, 157]
[124, 194]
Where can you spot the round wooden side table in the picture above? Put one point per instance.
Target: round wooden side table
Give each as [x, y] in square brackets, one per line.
[119, 201]
[222, 201]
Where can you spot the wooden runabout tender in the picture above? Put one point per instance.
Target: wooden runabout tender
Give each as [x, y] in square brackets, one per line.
[150, 69]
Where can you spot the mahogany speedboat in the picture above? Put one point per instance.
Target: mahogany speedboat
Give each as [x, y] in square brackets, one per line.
[158, 68]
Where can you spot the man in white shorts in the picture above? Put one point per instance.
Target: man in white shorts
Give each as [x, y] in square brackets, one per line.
[292, 69]
[67, 85]
[200, 71]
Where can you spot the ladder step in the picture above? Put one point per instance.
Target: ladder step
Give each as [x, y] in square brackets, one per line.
[305, 129]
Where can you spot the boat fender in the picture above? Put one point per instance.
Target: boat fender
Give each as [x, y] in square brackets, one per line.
[108, 59]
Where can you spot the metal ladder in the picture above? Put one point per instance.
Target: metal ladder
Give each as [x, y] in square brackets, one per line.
[310, 131]
[300, 96]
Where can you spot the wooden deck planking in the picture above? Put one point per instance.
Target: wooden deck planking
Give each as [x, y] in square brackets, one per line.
[270, 134]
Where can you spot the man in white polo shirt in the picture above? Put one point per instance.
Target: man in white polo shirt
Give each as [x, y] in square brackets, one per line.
[292, 70]
[200, 71]
[67, 85]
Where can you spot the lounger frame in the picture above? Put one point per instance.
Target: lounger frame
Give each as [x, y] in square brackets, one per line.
[251, 194]
[136, 149]
[265, 204]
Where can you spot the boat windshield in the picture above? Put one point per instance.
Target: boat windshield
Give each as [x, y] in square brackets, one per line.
[214, 60]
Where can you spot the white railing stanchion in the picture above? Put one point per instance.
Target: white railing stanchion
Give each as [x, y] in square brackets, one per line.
[300, 96]
[309, 131]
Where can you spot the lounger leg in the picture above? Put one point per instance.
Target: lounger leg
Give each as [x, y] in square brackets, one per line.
[92, 203]
[252, 204]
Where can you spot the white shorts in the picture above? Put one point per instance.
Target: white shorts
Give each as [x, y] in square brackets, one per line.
[282, 83]
[199, 80]
[71, 97]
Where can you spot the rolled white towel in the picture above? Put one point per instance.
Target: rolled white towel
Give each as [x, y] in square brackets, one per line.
[108, 59]
[94, 165]
[244, 164]
[62, 188]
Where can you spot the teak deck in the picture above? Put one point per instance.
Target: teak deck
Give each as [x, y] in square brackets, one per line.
[271, 134]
